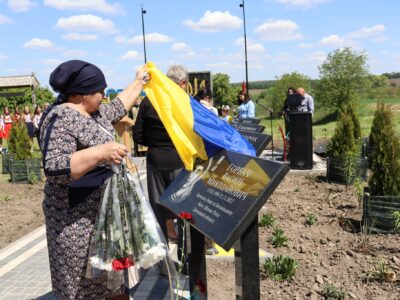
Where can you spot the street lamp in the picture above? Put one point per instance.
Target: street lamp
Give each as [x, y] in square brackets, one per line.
[245, 48]
[144, 38]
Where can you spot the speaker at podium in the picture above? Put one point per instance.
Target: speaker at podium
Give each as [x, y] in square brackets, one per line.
[301, 144]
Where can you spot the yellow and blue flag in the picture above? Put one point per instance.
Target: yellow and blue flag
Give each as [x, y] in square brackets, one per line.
[195, 131]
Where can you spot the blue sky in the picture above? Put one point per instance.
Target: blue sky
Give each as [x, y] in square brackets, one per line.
[283, 35]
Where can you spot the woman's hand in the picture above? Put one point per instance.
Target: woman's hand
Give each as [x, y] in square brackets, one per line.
[112, 152]
[142, 75]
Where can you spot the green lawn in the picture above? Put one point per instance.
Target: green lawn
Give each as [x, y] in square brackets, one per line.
[324, 122]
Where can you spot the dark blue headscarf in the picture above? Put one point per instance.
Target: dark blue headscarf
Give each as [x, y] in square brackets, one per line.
[77, 77]
[74, 77]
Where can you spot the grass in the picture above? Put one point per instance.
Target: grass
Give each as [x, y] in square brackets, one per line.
[324, 121]
[280, 267]
[331, 292]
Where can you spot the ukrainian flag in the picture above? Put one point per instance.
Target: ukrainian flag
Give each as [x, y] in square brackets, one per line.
[195, 131]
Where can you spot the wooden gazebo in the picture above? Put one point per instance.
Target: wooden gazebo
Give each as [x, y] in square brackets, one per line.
[19, 82]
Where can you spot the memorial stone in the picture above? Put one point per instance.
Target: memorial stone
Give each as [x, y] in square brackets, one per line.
[248, 127]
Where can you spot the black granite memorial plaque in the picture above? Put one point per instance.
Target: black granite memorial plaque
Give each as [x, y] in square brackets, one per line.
[258, 140]
[248, 127]
[224, 194]
[247, 121]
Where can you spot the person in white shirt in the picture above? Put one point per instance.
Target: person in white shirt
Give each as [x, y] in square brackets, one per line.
[205, 97]
[308, 102]
[37, 114]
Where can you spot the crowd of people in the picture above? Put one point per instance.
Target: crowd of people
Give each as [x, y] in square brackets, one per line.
[29, 119]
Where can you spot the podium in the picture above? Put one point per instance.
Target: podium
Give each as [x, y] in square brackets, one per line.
[301, 144]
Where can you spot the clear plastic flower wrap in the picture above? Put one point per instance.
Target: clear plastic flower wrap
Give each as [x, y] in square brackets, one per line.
[127, 235]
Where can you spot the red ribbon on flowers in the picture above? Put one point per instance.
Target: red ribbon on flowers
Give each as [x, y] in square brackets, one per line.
[122, 263]
[201, 287]
[185, 215]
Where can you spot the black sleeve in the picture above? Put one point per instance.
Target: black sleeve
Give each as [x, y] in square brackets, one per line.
[139, 129]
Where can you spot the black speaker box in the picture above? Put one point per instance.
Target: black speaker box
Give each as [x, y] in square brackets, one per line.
[301, 145]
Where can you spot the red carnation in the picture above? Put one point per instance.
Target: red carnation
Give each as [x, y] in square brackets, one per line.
[122, 263]
[185, 215]
[200, 286]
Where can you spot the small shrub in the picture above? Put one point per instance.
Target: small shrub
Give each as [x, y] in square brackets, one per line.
[385, 179]
[267, 220]
[18, 142]
[33, 178]
[343, 141]
[280, 267]
[6, 198]
[279, 239]
[381, 272]
[311, 219]
[332, 292]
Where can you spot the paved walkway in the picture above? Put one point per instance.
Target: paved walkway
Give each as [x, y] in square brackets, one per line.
[25, 273]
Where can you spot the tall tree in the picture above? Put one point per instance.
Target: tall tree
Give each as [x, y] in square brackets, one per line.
[342, 74]
[224, 93]
[282, 84]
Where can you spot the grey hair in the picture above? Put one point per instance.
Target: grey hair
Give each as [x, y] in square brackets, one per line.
[177, 73]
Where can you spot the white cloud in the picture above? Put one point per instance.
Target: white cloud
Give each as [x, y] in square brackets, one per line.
[306, 45]
[317, 56]
[184, 50]
[20, 5]
[5, 20]
[130, 55]
[39, 44]
[333, 40]
[351, 39]
[150, 38]
[215, 22]
[302, 3]
[79, 37]
[52, 62]
[86, 5]
[279, 30]
[76, 54]
[180, 47]
[81, 23]
[3, 57]
[251, 46]
[367, 32]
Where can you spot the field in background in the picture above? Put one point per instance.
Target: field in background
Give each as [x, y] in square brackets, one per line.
[324, 121]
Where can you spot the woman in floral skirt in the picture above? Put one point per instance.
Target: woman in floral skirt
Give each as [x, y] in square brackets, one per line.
[78, 147]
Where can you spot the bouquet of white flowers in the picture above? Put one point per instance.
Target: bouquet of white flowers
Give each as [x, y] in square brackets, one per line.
[127, 232]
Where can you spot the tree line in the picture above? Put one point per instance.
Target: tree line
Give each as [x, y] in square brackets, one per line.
[344, 78]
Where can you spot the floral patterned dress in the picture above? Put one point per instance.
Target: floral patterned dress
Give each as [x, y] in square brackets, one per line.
[70, 225]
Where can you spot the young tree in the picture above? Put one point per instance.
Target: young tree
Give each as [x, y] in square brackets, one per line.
[223, 92]
[385, 179]
[18, 143]
[343, 141]
[342, 74]
[282, 84]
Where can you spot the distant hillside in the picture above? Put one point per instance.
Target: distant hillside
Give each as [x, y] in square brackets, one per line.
[255, 85]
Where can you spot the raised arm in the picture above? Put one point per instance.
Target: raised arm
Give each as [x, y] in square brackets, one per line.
[129, 95]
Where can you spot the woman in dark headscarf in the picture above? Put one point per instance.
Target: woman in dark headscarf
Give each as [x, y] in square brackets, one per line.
[78, 147]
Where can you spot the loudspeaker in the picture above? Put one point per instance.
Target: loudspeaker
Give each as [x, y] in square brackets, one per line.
[301, 145]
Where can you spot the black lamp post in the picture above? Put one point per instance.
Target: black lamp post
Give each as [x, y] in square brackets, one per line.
[245, 48]
[144, 38]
